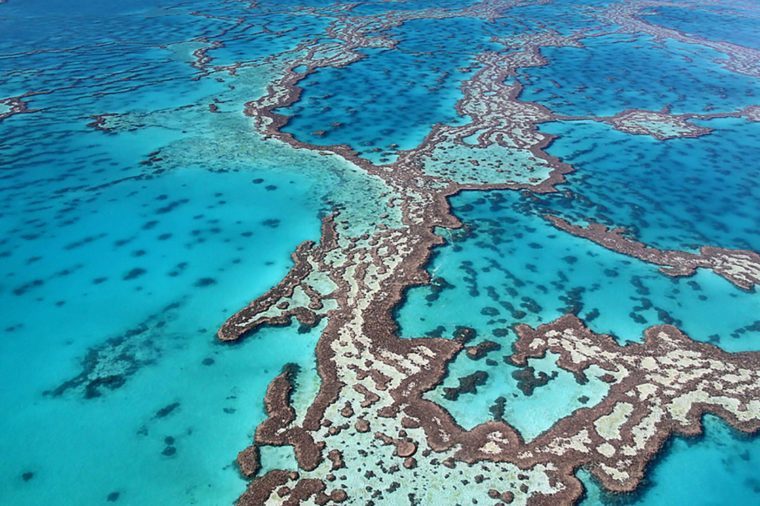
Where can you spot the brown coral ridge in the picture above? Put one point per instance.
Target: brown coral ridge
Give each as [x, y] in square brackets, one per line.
[273, 308]
[482, 349]
[497, 119]
[360, 348]
[663, 125]
[662, 387]
[492, 105]
[740, 267]
[17, 105]
[278, 429]
[371, 272]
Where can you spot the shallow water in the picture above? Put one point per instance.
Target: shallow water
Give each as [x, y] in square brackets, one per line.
[507, 267]
[116, 274]
[719, 467]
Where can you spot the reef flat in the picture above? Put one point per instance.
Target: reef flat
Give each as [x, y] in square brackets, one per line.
[418, 346]
[363, 362]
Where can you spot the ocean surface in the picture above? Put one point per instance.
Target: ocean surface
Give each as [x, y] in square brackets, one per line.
[124, 248]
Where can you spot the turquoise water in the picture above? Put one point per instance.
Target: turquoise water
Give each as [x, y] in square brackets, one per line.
[512, 266]
[122, 252]
[717, 468]
[508, 266]
[115, 274]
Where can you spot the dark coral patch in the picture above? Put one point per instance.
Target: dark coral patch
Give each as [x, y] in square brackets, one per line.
[166, 410]
[134, 273]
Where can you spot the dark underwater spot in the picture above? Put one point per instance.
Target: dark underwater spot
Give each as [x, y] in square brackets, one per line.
[111, 382]
[304, 329]
[134, 273]
[21, 290]
[203, 282]
[208, 361]
[169, 451]
[229, 411]
[138, 253]
[258, 180]
[27, 475]
[271, 223]
[270, 187]
[113, 497]
[171, 206]
[436, 332]
[164, 237]
[169, 440]
[180, 267]
[497, 409]
[166, 410]
[467, 385]
[83, 241]
[527, 380]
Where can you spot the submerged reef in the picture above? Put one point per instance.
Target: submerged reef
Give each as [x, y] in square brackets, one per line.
[370, 419]
[12, 106]
[740, 267]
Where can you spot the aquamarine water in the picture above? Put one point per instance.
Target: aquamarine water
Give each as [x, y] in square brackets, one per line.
[508, 266]
[123, 251]
[116, 274]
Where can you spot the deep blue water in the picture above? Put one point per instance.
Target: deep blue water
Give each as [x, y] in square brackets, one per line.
[712, 22]
[705, 191]
[389, 100]
[616, 72]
